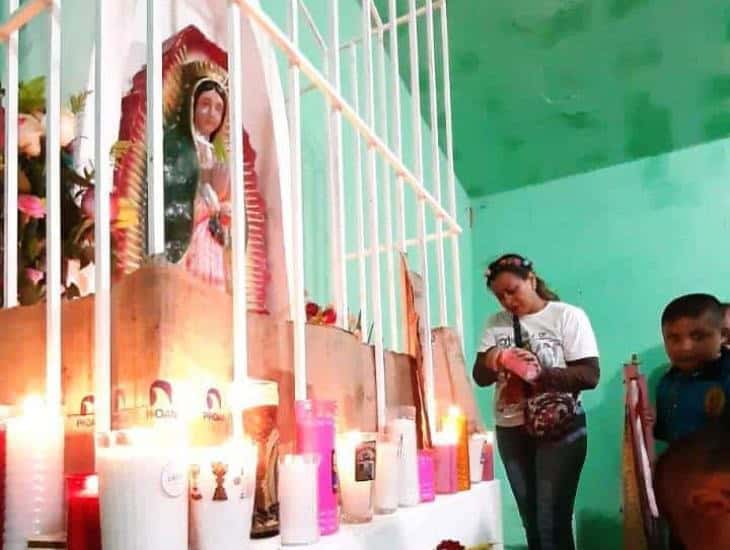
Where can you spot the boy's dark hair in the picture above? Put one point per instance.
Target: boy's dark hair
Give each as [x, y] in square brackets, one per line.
[693, 306]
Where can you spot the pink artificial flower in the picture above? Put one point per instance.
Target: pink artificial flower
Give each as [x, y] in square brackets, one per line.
[30, 132]
[88, 204]
[35, 276]
[31, 206]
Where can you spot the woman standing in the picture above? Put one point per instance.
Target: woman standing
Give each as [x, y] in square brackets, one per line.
[541, 353]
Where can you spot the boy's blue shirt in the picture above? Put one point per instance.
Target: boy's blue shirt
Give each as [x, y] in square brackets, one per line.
[686, 402]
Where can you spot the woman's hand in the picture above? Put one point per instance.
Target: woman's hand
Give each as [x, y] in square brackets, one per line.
[520, 362]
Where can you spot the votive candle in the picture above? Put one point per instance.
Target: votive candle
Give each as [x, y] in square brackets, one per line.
[298, 481]
[83, 526]
[356, 464]
[445, 463]
[426, 475]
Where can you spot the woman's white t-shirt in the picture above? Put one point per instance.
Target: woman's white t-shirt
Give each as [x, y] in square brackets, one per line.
[558, 333]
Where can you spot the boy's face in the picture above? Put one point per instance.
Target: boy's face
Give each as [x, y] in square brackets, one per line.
[691, 342]
[726, 328]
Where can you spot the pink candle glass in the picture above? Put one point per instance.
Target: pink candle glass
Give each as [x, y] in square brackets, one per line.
[425, 475]
[488, 458]
[445, 465]
[316, 435]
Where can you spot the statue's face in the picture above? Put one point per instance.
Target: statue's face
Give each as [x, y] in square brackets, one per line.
[208, 112]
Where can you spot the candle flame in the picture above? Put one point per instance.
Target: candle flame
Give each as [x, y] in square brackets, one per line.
[454, 411]
[490, 437]
[91, 484]
[33, 404]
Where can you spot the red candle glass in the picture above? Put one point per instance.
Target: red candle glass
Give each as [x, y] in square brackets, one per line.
[83, 527]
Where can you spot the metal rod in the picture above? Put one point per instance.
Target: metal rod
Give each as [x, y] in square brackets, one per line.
[375, 15]
[264, 22]
[313, 26]
[455, 256]
[416, 123]
[155, 161]
[336, 177]
[387, 192]
[300, 353]
[400, 199]
[53, 210]
[102, 228]
[238, 206]
[22, 16]
[10, 249]
[396, 247]
[436, 162]
[371, 177]
[359, 205]
[394, 21]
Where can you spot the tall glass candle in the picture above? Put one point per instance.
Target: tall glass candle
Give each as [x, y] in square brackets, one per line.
[356, 464]
[476, 456]
[298, 481]
[444, 446]
[316, 434]
[83, 527]
[386, 476]
[33, 474]
[221, 495]
[260, 423]
[488, 458]
[455, 422]
[402, 431]
[143, 487]
[426, 475]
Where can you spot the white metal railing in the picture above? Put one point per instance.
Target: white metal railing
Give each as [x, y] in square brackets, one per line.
[378, 131]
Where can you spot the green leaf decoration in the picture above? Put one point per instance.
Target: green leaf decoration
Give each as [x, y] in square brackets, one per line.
[32, 95]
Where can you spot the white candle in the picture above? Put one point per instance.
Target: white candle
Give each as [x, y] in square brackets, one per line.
[221, 496]
[386, 477]
[402, 431]
[143, 492]
[33, 475]
[356, 463]
[298, 517]
[476, 456]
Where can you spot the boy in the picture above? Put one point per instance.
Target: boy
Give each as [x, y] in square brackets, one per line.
[726, 324]
[692, 484]
[695, 390]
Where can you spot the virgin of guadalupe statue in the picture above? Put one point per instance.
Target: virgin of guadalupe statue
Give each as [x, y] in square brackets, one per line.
[196, 176]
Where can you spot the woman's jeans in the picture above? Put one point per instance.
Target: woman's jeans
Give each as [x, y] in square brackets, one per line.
[544, 479]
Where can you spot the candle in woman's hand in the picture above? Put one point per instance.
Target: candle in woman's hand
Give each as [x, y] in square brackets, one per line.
[83, 527]
[143, 492]
[221, 495]
[298, 479]
[356, 463]
[33, 474]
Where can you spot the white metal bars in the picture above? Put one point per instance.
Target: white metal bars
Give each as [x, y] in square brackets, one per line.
[416, 128]
[102, 230]
[374, 221]
[436, 162]
[155, 161]
[397, 139]
[10, 248]
[451, 175]
[336, 176]
[298, 305]
[53, 209]
[238, 200]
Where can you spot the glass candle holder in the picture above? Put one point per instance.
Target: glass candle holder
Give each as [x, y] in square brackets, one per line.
[402, 431]
[298, 489]
[356, 464]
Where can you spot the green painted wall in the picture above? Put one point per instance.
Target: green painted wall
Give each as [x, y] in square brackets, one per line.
[620, 242]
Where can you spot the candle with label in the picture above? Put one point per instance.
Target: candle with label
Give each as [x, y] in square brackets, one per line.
[386, 477]
[33, 474]
[402, 431]
[260, 423]
[476, 456]
[455, 422]
[83, 527]
[316, 434]
[221, 495]
[426, 474]
[298, 480]
[143, 487]
[445, 463]
[356, 463]
[488, 458]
